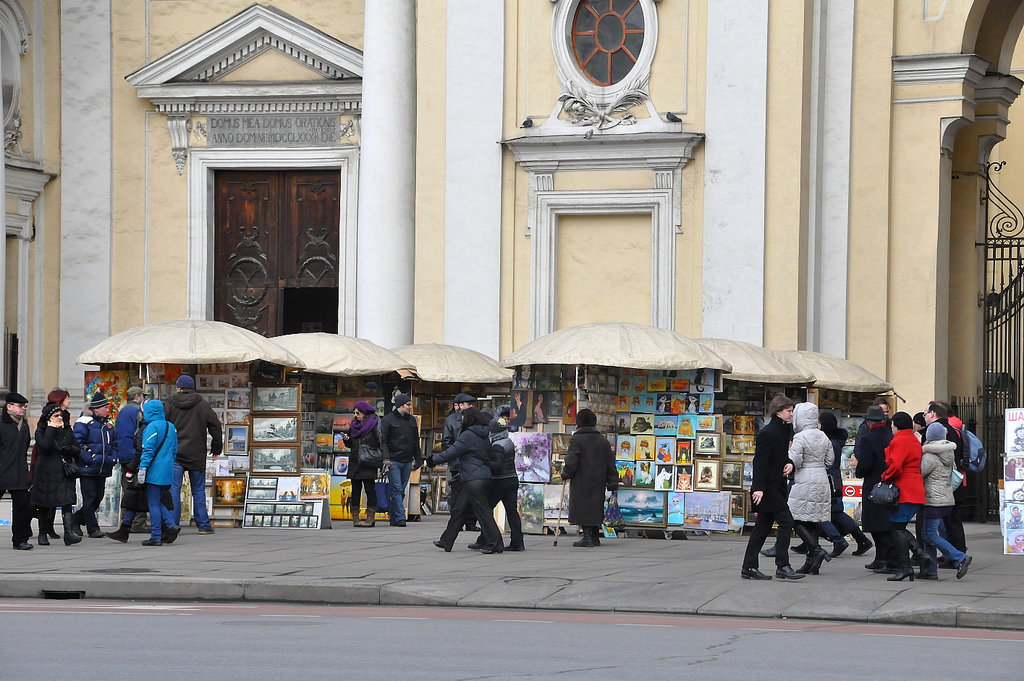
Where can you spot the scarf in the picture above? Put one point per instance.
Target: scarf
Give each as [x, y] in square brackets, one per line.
[360, 428]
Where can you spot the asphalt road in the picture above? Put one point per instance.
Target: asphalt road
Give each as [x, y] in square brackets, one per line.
[86, 640]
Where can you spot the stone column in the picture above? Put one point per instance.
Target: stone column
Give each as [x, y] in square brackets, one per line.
[385, 244]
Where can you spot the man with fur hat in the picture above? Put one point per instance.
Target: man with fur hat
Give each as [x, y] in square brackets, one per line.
[14, 438]
[401, 442]
[193, 417]
[96, 459]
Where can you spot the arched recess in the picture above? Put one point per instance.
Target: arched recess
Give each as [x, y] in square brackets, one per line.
[991, 32]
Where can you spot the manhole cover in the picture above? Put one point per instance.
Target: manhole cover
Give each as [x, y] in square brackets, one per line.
[121, 571]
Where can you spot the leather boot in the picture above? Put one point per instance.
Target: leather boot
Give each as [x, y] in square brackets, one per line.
[356, 522]
[587, 540]
[69, 536]
[595, 535]
[42, 539]
[921, 557]
[371, 517]
[121, 534]
[901, 539]
[810, 541]
[51, 514]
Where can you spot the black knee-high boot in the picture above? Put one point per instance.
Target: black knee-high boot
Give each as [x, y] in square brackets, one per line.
[901, 540]
[815, 554]
[69, 536]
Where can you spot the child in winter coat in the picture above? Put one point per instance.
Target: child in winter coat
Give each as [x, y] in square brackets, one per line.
[156, 470]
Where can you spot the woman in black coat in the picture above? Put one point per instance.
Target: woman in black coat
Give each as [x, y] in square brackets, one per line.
[590, 464]
[870, 454]
[472, 449]
[364, 432]
[55, 442]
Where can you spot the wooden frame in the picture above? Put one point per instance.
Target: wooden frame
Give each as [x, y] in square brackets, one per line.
[276, 398]
[732, 474]
[707, 475]
[275, 428]
[274, 459]
[709, 444]
[228, 491]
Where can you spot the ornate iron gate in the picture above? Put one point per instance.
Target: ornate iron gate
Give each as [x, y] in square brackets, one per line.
[1003, 360]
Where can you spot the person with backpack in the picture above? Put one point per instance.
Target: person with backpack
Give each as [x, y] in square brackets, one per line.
[936, 470]
[156, 471]
[472, 450]
[939, 412]
[504, 487]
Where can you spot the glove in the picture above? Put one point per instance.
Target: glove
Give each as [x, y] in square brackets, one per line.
[429, 462]
[417, 464]
[386, 466]
[140, 477]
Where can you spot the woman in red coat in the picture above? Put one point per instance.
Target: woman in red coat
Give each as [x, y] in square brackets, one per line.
[903, 469]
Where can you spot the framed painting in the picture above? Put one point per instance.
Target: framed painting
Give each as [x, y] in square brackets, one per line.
[555, 504]
[676, 508]
[644, 472]
[663, 477]
[275, 460]
[737, 510]
[642, 507]
[238, 463]
[237, 440]
[228, 491]
[684, 478]
[275, 428]
[709, 444]
[687, 427]
[709, 422]
[627, 473]
[666, 425]
[732, 474]
[684, 452]
[275, 398]
[707, 510]
[288, 487]
[709, 475]
[641, 424]
[643, 449]
[315, 485]
[665, 450]
[531, 507]
[238, 398]
[624, 445]
[533, 456]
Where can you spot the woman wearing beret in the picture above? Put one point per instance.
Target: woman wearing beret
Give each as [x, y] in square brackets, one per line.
[363, 476]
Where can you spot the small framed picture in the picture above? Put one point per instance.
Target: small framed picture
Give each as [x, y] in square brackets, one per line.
[708, 475]
[275, 460]
[275, 428]
[275, 398]
[709, 444]
[228, 491]
[237, 439]
[732, 474]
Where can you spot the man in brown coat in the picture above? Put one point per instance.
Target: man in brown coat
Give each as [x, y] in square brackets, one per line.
[590, 464]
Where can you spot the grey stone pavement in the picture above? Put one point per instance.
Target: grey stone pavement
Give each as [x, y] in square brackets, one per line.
[400, 566]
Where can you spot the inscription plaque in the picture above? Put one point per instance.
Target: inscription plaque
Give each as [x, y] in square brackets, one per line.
[312, 130]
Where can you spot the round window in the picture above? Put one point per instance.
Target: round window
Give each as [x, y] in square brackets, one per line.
[606, 38]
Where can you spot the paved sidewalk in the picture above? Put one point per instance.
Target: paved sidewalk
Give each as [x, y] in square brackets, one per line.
[399, 566]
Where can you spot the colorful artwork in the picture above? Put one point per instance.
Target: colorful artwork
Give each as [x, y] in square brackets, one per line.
[531, 507]
[643, 450]
[707, 510]
[663, 403]
[676, 508]
[732, 475]
[709, 443]
[684, 478]
[113, 385]
[707, 422]
[663, 477]
[737, 511]
[666, 425]
[641, 424]
[624, 446]
[533, 456]
[744, 425]
[684, 452]
[314, 485]
[687, 427]
[642, 507]
[743, 444]
[644, 474]
[665, 450]
[709, 474]
[559, 448]
[568, 407]
[656, 384]
[627, 473]
[228, 491]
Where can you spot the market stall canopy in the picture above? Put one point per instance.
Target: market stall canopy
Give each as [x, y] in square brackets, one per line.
[756, 364]
[188, 341]
[837, 373]
[334, 355]
[618, 344]
[452, 364]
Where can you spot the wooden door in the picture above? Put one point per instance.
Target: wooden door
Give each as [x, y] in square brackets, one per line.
[274, 231]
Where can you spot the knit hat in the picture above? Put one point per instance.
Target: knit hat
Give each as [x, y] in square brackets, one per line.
[185, 381]
[401, 399]
[48, 411]
[98, 401]
[499, 425]
[936, 431]
[15, 398]
[365, 407]
[463, 397]
[505, 410]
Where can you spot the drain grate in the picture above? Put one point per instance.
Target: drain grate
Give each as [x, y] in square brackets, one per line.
[59, 595]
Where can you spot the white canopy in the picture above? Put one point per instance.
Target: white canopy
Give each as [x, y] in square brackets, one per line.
[756, 364]
[334, 355]
[188, 341]
[618, 344]
[837, 373]
[453, 364]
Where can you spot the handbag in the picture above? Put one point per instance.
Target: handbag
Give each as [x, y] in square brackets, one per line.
[956, 477]
[613, 514]
[371, 457]
[71, 469]
[885, 494]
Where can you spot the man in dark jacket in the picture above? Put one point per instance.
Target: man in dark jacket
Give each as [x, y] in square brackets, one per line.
[874, 519]
[193, 417]
[96, 459]
[14, 438]
[768, 491]
[940, 412]
[450, 433]
[401, 443]
[504, 487]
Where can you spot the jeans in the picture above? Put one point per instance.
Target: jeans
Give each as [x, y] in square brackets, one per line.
[933, 540]
[198, 481]
[398, 478]
[92, 495]
[159, 516]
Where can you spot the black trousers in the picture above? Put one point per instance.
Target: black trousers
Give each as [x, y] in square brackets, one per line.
[762, 527]
[21, 514]
[357, 493]
[472, 499]
[454, 491]
[92, 495]
[506, 492]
